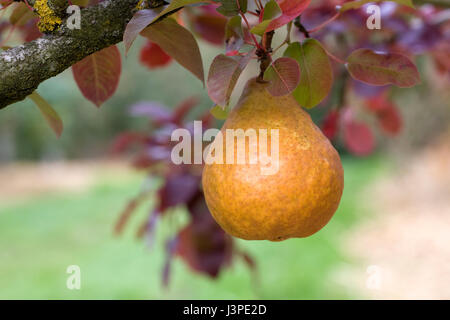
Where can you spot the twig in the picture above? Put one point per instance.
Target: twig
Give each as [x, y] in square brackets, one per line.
[320, 26]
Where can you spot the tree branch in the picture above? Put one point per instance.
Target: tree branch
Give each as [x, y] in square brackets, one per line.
[23, 68]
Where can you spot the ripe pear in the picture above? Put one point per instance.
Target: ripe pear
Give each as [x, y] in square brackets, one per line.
[298, 199]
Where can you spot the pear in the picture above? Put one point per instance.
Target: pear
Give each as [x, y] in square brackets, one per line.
[294, 201]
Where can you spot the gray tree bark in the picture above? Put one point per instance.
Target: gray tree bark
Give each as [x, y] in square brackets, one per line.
[23, 68]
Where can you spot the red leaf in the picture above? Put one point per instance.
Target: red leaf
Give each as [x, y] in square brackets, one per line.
[291, 9]
[390, 120]
[223, 76]
[203, 245]
[284, 76]
[358, 137]
[30, 31]
[387, 114]
[210, 27]
[382, 68]
[98, 75]
[152, 56]
[177, 42]
[330, 124]
[378, 103]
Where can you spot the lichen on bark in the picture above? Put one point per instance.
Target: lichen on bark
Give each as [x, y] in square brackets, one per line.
[49, 20]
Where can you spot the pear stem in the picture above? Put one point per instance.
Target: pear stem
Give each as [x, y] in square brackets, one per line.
[264, 54]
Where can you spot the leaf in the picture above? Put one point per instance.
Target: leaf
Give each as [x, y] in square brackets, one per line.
[271, 10]
[21, 15]
[390, 120]
[176, 5]
[382, 68]
[139, 22]
[177, 42]
[231, 8]
[284, 76]
[358, 4]
[50, 115]
[219, 112]
[234, 35]
[358, 137]
[98, 75]
[330, 124]
[223, 76]
[211, 27]
[315, 67]
[152, 56]
[290, 9]
[387, 114]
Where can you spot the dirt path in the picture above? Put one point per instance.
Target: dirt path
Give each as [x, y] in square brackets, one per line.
[22, 181]
[405, 247]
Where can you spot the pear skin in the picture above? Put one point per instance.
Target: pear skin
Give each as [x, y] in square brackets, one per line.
[298, 199]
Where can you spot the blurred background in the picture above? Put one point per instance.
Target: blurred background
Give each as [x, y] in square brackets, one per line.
[61, 198]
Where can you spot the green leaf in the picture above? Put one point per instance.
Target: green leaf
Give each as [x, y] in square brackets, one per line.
[271, 11]
[50, 115]
[220, 113]
[175, 5]
[359, 3]
[231, 8]
[315, 67]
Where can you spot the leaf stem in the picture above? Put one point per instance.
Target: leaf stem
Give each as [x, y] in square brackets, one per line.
[320, 26]
[247, 24]
[288, 37]
[301, 28]
[332, 56]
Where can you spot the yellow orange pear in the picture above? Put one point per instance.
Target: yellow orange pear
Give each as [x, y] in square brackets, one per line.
[298, 198]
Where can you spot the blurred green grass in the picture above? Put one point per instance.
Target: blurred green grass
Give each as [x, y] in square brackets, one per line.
[40, 238]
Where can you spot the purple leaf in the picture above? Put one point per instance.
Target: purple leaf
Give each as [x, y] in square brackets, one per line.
[380, 69]
[223, 76]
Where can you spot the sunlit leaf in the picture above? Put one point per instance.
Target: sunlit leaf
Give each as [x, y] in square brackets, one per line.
[50, 115]
[382, 68]
[98, 75]
[177, 42]
[284, 76]
[316, 72]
